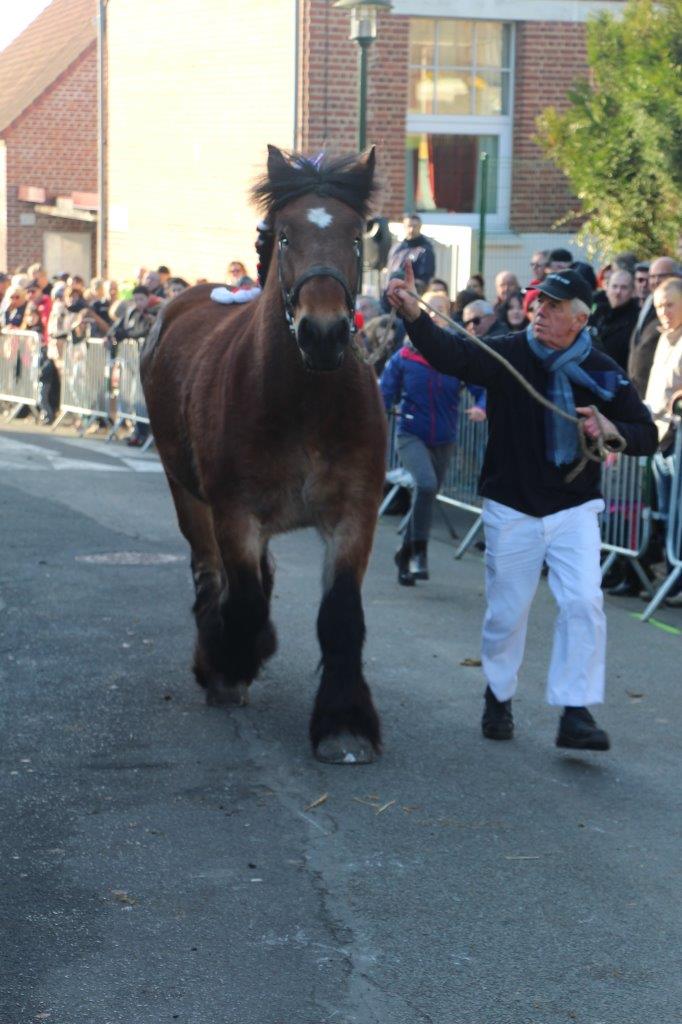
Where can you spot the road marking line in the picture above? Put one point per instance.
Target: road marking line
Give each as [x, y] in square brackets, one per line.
[658, 624]
[60, 462]
[143, 466]
[37, 457]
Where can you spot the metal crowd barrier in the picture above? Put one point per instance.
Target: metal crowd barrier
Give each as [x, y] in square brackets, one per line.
[460, 486]
[126, 386]
[92, 385]
[626, 519]
[627, 487]
[84, 389]
[461, 481]
[673, 533]
[19, 368]
[396, 475]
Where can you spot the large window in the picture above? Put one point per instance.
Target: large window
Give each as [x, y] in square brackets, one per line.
[459, 107]
[459, 67]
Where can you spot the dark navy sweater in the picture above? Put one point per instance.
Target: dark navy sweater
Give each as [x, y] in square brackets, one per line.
[516, 471]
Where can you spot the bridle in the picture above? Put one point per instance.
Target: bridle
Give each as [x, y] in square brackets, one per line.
[290, 295]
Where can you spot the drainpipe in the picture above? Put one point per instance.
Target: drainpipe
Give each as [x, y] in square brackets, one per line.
[297, 57]
[101, 137]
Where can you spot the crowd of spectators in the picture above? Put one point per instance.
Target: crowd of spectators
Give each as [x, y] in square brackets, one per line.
[67, 308]
[635, 319]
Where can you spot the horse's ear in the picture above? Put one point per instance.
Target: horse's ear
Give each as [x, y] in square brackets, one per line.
[276, 160]
[367, 160]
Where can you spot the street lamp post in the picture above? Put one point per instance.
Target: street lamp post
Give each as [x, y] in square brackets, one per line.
[363, 29]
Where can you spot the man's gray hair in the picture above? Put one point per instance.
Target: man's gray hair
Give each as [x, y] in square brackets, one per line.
[578, 306]
[479, 306]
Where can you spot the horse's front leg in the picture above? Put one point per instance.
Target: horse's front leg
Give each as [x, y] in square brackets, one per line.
[247, 636]
[344, 727]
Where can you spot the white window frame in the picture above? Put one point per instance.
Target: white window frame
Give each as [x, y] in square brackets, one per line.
[469, 124]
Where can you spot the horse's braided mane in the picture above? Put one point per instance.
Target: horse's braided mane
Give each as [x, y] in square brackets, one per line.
[291, 175]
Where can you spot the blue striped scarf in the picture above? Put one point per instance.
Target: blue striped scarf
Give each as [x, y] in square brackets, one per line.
[563, 369]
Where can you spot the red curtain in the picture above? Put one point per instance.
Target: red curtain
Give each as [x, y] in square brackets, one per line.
[453, 165]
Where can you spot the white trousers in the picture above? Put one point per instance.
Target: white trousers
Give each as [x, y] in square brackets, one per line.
[516, 546]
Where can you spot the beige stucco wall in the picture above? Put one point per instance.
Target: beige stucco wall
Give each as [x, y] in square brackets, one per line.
[197, 88]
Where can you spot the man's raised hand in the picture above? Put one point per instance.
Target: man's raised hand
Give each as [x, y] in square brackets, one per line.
[398, 295]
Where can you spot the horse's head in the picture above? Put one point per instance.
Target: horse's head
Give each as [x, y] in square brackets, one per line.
[316, 209]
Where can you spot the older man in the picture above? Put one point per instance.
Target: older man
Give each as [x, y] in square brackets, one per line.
[613, 322]
[531, 511]
[665, 379]
[479, 318]
[647, 329]
[506, 285]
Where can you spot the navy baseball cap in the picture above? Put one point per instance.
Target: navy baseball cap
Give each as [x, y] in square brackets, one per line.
[566, 284]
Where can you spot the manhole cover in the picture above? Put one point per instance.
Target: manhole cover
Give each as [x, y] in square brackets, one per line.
[130, 558]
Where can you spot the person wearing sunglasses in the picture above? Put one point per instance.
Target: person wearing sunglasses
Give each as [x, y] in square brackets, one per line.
[479, 318]
[538, 266]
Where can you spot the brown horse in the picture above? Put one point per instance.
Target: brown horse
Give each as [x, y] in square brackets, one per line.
[266, 420]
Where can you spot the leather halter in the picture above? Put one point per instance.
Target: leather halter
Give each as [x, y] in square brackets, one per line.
[290, 295]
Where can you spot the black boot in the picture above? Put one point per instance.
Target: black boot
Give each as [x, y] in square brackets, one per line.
[402, 560]
[629, 586]
[418, 564]
[579, 731]
[497, 722]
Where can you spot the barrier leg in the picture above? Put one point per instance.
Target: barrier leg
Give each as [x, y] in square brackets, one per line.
[117, 424]
[15, 410]
[662, 593]
[58, 420]
[453, 533]
[469, 538]
[148, 443]
[388, 499]
[643, 578]
[608, 562]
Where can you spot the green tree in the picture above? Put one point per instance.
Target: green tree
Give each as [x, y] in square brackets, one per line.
[620, 141]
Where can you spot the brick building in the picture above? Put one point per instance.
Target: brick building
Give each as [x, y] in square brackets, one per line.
[197, 90]
[48, 141]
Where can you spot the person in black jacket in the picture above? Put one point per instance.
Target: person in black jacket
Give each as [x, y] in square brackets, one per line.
[613, 323]
[531, 511]
[417, 249]
[647, 329]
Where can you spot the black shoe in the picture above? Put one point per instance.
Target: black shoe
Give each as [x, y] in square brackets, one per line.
[402, 560]
[626, 588]
[497, 722]
[579, 731]
[418, 563]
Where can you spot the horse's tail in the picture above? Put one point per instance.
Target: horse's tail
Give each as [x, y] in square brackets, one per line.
[151, 341]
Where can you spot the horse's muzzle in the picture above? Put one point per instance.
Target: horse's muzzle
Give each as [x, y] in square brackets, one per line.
[323, 343]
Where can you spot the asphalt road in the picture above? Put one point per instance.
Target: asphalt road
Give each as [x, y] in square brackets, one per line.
[165, 861]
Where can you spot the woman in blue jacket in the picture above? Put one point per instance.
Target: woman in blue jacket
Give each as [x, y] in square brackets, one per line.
[427, 430]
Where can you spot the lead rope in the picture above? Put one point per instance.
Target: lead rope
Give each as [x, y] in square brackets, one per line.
[593, 449]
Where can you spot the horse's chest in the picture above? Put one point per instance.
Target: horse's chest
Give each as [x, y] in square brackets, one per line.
[309, 488]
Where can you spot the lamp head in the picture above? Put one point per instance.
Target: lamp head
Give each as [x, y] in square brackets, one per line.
[363, 17]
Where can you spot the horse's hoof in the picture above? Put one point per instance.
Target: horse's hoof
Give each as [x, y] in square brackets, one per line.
[345, 749]
[228, 696]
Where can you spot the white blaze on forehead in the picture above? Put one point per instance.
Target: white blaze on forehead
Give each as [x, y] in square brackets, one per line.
[318, 215]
